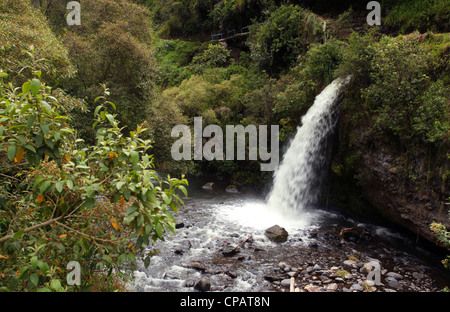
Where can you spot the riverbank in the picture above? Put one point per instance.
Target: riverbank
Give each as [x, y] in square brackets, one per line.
[215, 221]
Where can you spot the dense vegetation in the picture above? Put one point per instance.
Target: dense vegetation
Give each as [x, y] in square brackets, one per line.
[69, 155]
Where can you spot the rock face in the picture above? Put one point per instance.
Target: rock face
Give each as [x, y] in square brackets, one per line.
[407, 189]
[277, 234]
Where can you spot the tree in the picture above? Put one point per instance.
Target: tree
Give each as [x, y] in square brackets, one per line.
[286, 33]
[99, 205]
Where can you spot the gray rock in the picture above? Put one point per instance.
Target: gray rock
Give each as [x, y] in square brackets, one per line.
[417, 275]
[231, 189]
[357, 287]
[395, 275]
[317, 267]
[292, 274]
[208, 186]
[332, 287]
[334, 268]
[277, 234]
[286, 282]
[203, 284]
[393, 283]
[350, 263]
[282, 265]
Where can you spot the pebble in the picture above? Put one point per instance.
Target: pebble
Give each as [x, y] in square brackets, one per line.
[395, 275]
[350, 263]
[312, 288]
[393, 283]
[349, 275]
[357, 287]
[332, 287]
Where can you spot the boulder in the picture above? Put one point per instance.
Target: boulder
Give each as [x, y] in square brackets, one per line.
[203, 284]
[231, 189]
[277, 234]
[208, 186]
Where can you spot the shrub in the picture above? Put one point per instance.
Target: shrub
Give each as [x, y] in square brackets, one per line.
[28, 45]
[99, 205]
[286, 33]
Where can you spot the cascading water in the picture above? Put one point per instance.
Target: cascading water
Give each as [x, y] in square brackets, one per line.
[297, 180]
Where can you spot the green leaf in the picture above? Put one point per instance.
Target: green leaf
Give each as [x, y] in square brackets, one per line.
[39, 139]
[35, 86]
[44, 186]
[59, 186]
[43, 266]
[11, 153]
[34, 278]
[69, 184]
[130, 210]
[56, 284]
[146, 262]
[97, 109]
[110, 118]
[34, 262]
[47, 107]
[90, 191]
[159, 230]
[119, 185]
[45, 129]
[30, 148]
[30, 121]
[134, 157]
[2, 75]
[183, 189]
[166, 198]
[26, 87]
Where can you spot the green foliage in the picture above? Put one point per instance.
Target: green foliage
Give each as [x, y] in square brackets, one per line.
[214, 56]
[422, 15]
[322, 60]
[286, 33]
[403, 95]
[28, 45]
[113, 46]
[443, 236]
[173, 58]
[47, 215]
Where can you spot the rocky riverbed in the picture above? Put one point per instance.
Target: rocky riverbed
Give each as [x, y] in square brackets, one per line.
[221, 245]
[316, 268]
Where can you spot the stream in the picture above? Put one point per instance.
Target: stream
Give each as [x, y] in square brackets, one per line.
[214, 221]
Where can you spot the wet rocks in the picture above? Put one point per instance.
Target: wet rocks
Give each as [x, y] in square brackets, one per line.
[208, 186]
[231, 189]
[363, 274]
[277, 234]
[203, 284]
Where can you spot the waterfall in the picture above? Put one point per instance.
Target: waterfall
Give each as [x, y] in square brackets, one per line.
[297, 180]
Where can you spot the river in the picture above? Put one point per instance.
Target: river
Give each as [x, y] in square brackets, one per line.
[215, 220]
